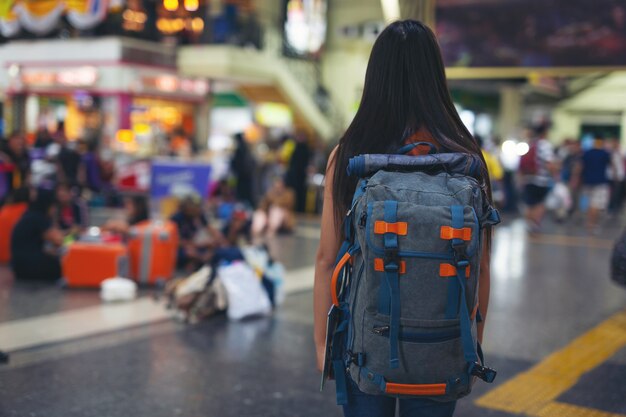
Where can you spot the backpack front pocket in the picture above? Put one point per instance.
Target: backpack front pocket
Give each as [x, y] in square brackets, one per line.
[430, 351]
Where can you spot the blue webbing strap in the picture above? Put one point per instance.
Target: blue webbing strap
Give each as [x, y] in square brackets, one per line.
[338, 353]
[341, 384]
[452, 308]
[345, 246]
[392, 269]
[469, 352]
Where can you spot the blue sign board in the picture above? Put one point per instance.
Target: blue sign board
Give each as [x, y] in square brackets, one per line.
[170, 177]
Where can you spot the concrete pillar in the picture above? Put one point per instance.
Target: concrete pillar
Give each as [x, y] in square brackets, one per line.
[15, 114]
[623, 130]
[203, 123]
[510, 111]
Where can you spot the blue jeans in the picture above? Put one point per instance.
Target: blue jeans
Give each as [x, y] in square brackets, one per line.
[366, 405]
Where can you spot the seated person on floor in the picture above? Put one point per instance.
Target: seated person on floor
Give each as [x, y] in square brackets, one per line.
[197, 238]
[275, 212]
[135, 211]
[234, 216]
[70, 214]
[35, 241]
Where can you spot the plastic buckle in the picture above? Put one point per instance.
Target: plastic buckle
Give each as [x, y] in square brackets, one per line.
[484, 373]
[460, 251]
[391, 260]
[356, 358]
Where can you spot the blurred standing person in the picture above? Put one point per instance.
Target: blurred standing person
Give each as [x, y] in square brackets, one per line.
[15, 153]
[496, 173]
[91, 164]
[243, 166]
[537, 169]
[69, 162]
[596, 163]
[617, 174]
[296, 177]
[43, 138]
[35, 240]
[570, 170]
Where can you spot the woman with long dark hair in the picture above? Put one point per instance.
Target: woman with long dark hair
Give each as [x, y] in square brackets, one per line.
[405, 99]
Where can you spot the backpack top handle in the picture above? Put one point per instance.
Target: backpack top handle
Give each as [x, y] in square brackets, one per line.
[410, 146]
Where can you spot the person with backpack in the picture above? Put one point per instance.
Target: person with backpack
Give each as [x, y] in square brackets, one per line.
[537, 167]
[402, 271]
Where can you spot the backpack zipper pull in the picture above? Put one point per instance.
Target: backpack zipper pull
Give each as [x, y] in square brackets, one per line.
[380, 330]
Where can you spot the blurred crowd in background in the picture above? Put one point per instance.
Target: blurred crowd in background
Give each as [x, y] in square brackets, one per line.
[51, 188]
[578, 180]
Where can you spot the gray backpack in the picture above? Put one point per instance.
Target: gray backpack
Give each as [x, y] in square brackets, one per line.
[405, 287]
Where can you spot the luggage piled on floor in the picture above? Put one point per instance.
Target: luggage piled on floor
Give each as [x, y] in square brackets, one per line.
[87, 264]
[149, 256]
[152, 248]
[243, 282]
[10, 214]
[196, 297]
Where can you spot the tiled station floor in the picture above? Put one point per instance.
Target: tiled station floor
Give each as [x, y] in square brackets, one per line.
[556, 333]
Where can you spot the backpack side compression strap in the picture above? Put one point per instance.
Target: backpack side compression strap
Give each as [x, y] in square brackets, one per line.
[392, 268]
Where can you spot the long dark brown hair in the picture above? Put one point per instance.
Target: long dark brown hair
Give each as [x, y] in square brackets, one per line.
[405, 90]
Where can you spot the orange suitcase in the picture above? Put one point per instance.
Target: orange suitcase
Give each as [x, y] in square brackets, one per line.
[10, 214]
[87, 264]
[152, 249]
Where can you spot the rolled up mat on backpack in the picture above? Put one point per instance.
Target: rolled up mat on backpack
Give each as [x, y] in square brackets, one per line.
[453, 163]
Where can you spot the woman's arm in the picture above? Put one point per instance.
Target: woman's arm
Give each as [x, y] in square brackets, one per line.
[324, 264]
[484, 283]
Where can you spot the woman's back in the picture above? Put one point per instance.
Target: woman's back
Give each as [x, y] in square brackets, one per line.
[405, 99]
[27, 240]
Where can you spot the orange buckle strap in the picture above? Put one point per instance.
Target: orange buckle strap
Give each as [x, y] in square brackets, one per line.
[448, 233]
[379, 266]
[447, 270]
[415, 389]
[399, 228]
[333, 282]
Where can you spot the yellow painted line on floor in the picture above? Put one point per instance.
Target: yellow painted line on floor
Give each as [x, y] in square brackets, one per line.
[572, 241]
[534, 392]
[557, 409]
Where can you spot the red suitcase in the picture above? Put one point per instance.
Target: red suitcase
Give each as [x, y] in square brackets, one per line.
[87, 264]
[10, 214]
[152, 248]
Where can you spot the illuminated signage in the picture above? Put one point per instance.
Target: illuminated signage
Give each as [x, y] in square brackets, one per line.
[168, 83]
[71, 77]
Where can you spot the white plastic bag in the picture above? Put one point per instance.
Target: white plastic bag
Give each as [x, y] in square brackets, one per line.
[256, 257]
[246, 295]
[559, 198]
[118, 289]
